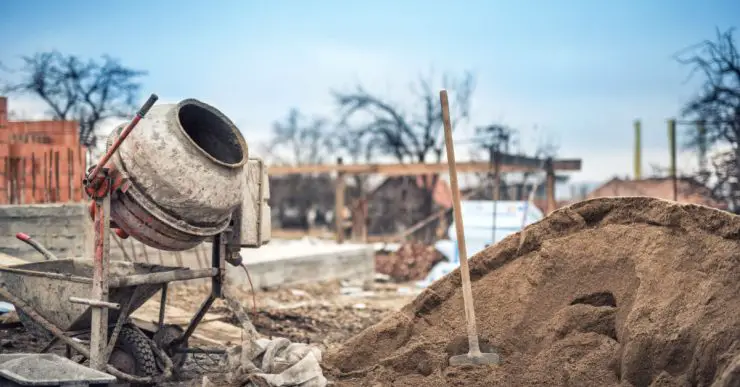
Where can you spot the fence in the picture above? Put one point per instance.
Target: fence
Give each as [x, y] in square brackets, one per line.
[51, 176]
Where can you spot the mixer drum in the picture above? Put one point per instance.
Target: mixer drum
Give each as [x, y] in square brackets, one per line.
[185, 163]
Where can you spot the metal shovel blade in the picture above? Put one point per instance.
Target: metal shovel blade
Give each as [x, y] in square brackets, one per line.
[478, 359]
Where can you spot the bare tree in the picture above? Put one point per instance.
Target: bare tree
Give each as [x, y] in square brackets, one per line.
[717, 105]
[409, 137]
[88, 91]
[385, 128]
[501, 138]
[356, 149]
[299, 140]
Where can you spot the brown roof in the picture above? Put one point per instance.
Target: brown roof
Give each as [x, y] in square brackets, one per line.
[542, 204]
[442, 194]
[689, 190]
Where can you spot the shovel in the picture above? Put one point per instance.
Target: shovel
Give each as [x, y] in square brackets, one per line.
[474, 355]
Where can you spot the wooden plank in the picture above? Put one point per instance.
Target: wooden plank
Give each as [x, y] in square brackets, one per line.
[211, 329]
[421, 169]
[339, 192]
[255, 206]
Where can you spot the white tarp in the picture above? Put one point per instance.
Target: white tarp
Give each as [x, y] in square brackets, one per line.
[478, 225]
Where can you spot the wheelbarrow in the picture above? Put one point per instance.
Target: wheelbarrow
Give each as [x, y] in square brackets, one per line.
[47, 296]
[67, 300]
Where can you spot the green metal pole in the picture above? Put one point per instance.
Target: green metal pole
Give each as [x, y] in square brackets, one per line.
[701, 130]
[672, 145]
[638, 150]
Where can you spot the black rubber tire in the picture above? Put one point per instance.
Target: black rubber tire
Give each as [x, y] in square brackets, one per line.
[137, 345]
[163, 338]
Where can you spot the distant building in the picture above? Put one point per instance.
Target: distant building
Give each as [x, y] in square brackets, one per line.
[40, 161]
[515, 191]
[689, 190]
[397, 203]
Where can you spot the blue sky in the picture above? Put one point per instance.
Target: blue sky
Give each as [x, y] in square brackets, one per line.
[578, 71]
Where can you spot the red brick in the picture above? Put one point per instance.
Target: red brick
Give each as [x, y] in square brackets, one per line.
[30, 149]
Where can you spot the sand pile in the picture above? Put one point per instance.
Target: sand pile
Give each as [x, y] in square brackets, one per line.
[607, 292]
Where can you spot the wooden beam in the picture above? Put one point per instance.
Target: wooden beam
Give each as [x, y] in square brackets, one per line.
[421, 169]
[339, 186]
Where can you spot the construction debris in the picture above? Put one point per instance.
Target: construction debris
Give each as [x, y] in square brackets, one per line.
[412, 261]
[272, 363]
[606, 292]
[261, 362]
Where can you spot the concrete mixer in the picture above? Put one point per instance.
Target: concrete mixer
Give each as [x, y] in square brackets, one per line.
[182, 178]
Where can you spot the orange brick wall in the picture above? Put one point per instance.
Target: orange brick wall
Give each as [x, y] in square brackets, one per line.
[40, 161]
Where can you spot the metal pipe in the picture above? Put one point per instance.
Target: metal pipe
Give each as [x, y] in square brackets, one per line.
[204, 307]
[100, 284]
[122, 316]
[672, 147]
[162, 305]
[217, 263]
[95, 303]
[113, 148]
[638, 150]
[56, 276]
[31, 313]
[163, 277]
[37, 246]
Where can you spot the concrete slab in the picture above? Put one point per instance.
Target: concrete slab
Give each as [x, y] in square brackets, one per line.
[48, 370]
[293, 262]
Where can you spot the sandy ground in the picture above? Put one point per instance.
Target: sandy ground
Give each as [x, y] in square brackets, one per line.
[325, 314]
[622, 292]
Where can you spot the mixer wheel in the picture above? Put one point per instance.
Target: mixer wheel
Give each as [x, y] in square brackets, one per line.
[133, 354]
[164, 338]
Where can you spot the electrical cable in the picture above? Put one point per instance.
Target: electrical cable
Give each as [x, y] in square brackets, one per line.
[254, 298]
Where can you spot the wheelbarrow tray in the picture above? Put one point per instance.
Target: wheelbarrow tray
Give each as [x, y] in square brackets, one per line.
[49, 297]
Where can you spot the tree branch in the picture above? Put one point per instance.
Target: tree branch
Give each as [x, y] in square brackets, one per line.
[89, 92]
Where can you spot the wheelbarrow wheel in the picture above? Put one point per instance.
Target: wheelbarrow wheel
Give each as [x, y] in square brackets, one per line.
[133, 354]
[165, 339]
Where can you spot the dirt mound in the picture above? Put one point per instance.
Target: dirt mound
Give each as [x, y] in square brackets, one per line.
[606, 292]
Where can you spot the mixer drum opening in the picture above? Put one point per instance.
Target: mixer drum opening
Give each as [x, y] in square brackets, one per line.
[211, 133]
[185, 163]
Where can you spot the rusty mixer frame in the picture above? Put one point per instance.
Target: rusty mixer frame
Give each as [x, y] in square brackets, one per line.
[100, 184]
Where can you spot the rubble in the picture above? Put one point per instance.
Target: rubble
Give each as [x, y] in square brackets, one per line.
[271, 363]
[606, 292]
[411, 261]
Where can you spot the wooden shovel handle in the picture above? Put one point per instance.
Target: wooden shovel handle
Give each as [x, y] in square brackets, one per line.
[474, 348]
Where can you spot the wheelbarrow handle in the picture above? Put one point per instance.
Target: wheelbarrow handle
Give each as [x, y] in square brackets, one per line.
[37, 246]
